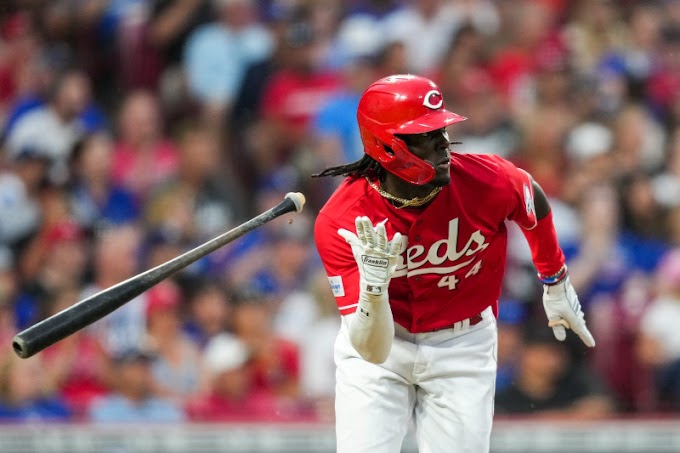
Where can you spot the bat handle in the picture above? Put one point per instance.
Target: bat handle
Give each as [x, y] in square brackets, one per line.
[76, 317]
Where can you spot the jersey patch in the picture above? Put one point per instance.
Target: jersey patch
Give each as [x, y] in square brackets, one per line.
[528, 200]
[336, 286]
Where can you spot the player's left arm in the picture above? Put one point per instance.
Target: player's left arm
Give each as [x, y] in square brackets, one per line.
[360, 264]
[534, 216]
[371, 328]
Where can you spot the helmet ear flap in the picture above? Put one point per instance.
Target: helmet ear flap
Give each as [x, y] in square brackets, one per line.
[407, 166]
[398, 146]
[395, 157]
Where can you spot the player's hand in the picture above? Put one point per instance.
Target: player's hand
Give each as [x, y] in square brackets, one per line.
[374, 254]
[564, 311]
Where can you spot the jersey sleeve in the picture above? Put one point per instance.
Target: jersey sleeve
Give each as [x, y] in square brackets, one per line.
[338, 260]
[521, 194]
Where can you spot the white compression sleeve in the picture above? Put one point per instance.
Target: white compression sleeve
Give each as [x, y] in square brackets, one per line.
[371, 329]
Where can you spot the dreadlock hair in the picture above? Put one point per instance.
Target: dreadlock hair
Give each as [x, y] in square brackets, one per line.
[366, 166]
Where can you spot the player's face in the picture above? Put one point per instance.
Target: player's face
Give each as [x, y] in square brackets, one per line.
[434, 148]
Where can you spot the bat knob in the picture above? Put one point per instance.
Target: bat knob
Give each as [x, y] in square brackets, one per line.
[19, 347]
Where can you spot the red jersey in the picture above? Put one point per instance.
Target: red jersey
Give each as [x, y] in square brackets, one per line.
[454, 261]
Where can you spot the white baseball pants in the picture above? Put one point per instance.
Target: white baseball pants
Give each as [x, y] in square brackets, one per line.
[443, 381]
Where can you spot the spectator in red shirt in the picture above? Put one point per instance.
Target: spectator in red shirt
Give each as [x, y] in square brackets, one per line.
[231, 395]
[275, 361]
[77, 367]
[143, 155]
[532, 41]
[234, 394]
[293, 95]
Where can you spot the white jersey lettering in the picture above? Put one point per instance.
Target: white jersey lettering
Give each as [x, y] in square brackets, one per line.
[419, 261]
[475, 269]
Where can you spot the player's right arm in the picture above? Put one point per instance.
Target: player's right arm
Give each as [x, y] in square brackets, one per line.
[360, 266]
[530, 208]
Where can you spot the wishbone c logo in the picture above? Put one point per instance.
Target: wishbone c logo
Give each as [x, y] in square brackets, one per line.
[433, 100]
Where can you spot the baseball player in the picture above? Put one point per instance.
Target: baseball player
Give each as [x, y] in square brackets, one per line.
[414, 245]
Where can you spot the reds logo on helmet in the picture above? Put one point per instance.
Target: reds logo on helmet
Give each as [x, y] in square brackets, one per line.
[401, 105]
[433, 100]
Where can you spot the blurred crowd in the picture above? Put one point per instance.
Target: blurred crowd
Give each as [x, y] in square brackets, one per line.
[133, 130]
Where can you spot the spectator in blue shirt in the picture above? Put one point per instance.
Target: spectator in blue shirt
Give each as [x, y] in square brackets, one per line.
[217, 54]
[334, 128]
[96, 200]
[25, 395]
[133, 399]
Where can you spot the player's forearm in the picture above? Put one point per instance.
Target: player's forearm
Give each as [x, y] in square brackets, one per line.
[371, 329]
[545, 249]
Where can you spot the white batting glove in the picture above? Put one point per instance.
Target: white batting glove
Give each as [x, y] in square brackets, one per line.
[564, 311]
[374, 254]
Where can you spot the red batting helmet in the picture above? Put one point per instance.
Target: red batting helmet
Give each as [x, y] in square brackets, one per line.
[401, 104]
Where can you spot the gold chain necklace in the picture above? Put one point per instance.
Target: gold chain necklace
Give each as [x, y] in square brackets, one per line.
[416, 201]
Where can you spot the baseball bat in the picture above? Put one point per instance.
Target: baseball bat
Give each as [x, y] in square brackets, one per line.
[80, 315]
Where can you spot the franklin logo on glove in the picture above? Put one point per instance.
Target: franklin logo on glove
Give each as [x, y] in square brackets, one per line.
[372, 261]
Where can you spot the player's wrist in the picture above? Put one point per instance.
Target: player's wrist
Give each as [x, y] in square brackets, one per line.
[373, 288]
[556, 278]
